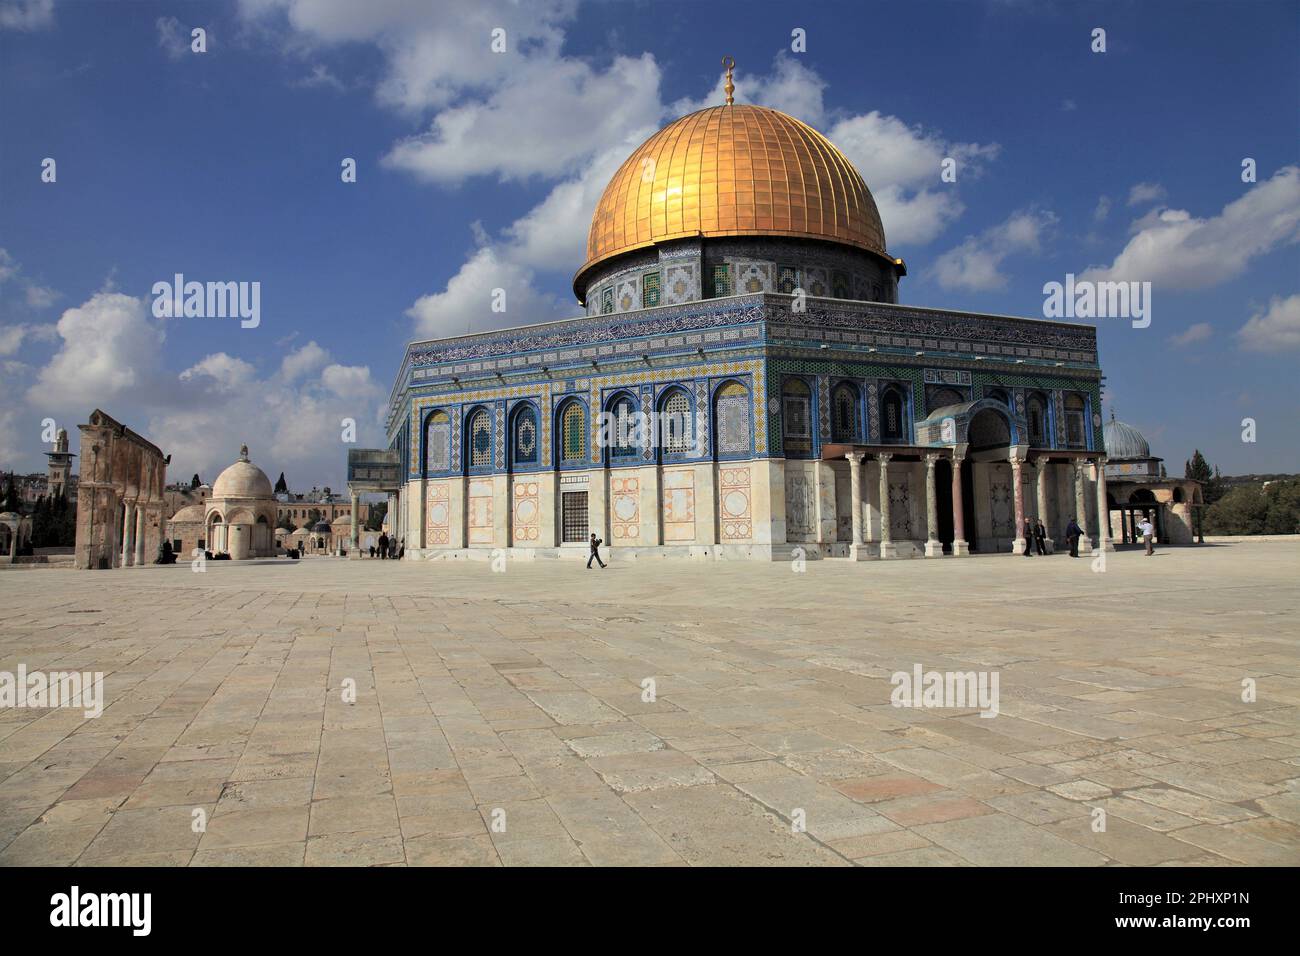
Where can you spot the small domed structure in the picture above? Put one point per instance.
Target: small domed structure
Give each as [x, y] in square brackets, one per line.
[241, 512]
[1124, 442]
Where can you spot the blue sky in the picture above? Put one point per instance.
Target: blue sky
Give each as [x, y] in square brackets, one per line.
[479, 170]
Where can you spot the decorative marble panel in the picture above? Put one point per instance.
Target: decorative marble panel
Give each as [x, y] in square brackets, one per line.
[679, 506]
[625, 509]
[437, 515]
[480, 513]
[527, 512]
[900, 508]
[735, 504]
[800, 507]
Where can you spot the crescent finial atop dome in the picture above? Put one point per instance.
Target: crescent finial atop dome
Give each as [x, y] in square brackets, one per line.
[729, 62]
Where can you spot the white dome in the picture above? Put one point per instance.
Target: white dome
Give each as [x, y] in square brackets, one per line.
[189, 513]
[243, 479]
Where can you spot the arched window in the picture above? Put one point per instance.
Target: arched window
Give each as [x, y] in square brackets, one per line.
[796, 405]
[675, 423]
[892, 424]
[846, 426]
[731, 419]
[523, 441]
[943, 397]
[624, 433]
[479, 439]
[1036, 410]
[998, 395]
[1076, 434]
[573, 433]
[437, 442]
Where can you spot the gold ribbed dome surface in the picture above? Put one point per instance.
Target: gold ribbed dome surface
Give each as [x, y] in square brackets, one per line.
[733, 171]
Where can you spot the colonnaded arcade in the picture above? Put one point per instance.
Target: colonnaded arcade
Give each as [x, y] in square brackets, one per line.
[737, 279]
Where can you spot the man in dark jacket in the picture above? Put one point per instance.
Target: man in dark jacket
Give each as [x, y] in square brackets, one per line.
[383, 546]
[1074, 533]
[1040, 537]
[1029, 537]
[595, 552]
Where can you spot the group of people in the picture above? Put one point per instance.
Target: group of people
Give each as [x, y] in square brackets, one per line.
[388, 547]
[1036, 536]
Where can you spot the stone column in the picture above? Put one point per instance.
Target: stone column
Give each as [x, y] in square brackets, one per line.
[959, 544]
[856, 550]
[354, 551]
[1103, 509]
[13, 544]
[138, 540]
[933, 547]
[128, 529]
[1080, 508]
[1042, 464]
[887, 549]
[1018, 497]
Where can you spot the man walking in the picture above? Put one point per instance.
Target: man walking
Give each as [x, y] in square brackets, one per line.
[595, 552]
[1148, 535]
[383, 547]
[1073, 532]
[1040, 537]
[1029, 537]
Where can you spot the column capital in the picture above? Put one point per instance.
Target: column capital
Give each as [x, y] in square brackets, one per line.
[855, 456]
[884, 455]
[931, 457]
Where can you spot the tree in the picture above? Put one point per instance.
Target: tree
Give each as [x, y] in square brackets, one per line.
[313, 515]
[194, 482]
[1211, 482]
[375, 520]
[281, 488]
[10, 500]
[286, 524]
[1254, 509]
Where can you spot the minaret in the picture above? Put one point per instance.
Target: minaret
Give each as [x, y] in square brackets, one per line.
[60, 464]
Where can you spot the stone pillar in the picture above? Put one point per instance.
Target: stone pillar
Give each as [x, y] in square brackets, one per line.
[933, 547]
[128, 529]
[354, 550]
[138, 539]
[1042, 465]
[1103, 509]
[959, 544]
[887, 549]
[1080, 508]
[13, 544]
[856, 550]
[1018, 497]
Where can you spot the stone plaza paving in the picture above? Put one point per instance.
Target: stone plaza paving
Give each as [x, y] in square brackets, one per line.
[500, 718]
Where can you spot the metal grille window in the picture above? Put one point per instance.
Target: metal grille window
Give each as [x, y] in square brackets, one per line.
[788, 279]
[1037, 431]
[891, 409]
[480, 439]
[525, 438]
[733, 420]
[650, 290]
[607, 300]
[437, 442]
[677, 423]
[846, 413]
[624, 440]
[1075, 431]
[797, 417]
[840, 285]
[721, 277]
[573, 433]
[574, 521]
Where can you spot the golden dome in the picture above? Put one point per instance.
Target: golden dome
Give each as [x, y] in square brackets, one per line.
[732, 171]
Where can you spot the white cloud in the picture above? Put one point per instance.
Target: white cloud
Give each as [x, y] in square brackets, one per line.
[109, 349]
[173, 38]
[791, 88]
[302, 361]
[219, 373]
[8, 266]
[12, 336]
[1193, 334]
[466, 303]
[39, 297]
[1146, 192]
[1172, 248]
[26, 14]
[975, 264]
[319, 77]
[1274, 329]
[1102, 210]
[901, 165]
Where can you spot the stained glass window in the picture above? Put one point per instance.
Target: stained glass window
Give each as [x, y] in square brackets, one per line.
[623, 441]
[788, 279]
[845, 402]
[732, 420]
[650, 290]
[721, 279]
[437, 442]
[525, 436]
[480, 439]
[797, 418]
[677, 423]
[573, 433]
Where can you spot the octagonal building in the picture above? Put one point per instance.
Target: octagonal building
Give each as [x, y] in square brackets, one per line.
[744, 383]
